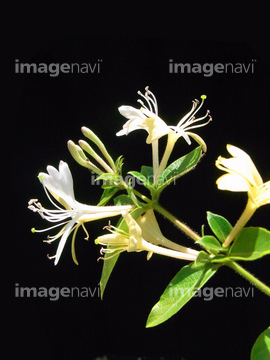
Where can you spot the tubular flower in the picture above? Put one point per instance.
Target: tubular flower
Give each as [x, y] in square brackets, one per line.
[72, 214]
[148, 119]
[144, 118]
[144, 235]
[242, 175]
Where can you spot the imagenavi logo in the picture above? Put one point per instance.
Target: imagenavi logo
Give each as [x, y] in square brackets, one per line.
[209, 69]
[54, 69]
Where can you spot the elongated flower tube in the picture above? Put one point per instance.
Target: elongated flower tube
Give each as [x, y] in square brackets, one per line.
[242, 175]
[72, 214]
[144, 235]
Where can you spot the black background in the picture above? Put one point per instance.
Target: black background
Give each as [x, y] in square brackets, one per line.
[47, 112]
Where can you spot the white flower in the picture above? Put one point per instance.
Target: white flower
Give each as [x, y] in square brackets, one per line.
[144, 118]
[59, 184]
[148, 119]
[144, 235]
[242, 175]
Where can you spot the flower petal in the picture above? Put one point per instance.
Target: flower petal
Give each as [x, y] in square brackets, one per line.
[63, 240]
[59, 183]
[242, 164]
[156, 128]
[232, 182]
[130, 112]
[135, 118]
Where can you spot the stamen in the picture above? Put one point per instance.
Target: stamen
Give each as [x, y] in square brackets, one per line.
[153, 100]
[113, 255]
[32, 201]
[147, 100]
[49, 228]
[188, 115]
[47, 193]
[86, 232]
[186, 127]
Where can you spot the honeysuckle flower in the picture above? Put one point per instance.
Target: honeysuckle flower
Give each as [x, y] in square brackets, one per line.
[72, 214]
[148, 119]
[144, 235]
[144, 118]
[242, 175]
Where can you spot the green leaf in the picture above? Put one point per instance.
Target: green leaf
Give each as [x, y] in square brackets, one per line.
[219, 225]
[178, 168]
[210, 243]
[143, 179]
[201, 260]
[250, 244]
[261, 347]
[147, 171]
[123, 200]
[107, 269]
[179, 291]
[107, 195]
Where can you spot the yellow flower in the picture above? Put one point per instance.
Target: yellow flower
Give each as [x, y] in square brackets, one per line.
[242, 175]
[144, 235]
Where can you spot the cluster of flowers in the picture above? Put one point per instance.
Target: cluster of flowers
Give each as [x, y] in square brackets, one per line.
[143, 233]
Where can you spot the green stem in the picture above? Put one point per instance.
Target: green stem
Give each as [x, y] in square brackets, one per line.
[143, 197]
[175, 221]
[247, 275]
